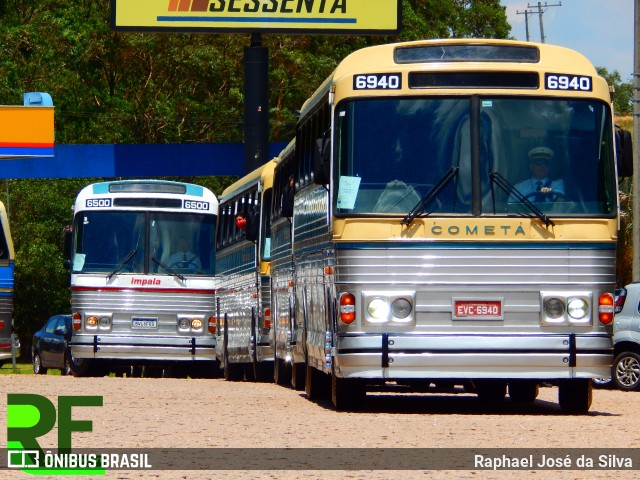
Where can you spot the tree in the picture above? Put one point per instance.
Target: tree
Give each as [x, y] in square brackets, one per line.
[622, 95]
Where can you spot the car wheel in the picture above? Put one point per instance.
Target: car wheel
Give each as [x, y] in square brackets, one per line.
[626, 371]
[603, 382]
[38, 369]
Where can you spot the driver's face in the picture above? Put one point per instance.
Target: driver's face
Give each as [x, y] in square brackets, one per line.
[539, 168]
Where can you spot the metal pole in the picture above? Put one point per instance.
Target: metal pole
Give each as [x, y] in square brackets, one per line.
[541, 26]
[256, 104]
[635, 273]
[526, 22]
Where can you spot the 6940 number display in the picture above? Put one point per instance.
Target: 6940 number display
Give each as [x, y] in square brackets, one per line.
[557, 81]
[377, 81]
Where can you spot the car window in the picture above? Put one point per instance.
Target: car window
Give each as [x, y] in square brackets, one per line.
[51, 325]
[61, 324]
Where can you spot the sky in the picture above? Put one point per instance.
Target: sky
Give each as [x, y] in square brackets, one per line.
[602, 30]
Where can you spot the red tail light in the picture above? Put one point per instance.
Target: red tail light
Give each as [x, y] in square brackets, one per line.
[1, 324]
[606, 308]
[212, 324]
[347, 308]
[267, 318]
[77, 321]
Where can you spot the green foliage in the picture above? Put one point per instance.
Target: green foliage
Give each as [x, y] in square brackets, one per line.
[622, 95]
[114, 87]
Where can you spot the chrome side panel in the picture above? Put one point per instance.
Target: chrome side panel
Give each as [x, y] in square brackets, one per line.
[239, 301]
[312, 253]
[243, 295]
[282, 309]
[6, 315]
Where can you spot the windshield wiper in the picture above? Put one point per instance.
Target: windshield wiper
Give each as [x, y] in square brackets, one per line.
[123, 262]
[168, 268]
[429, 196]
[509, 189]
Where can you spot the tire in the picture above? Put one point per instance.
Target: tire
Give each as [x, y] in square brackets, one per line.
[346, 394]
[523, 391]
[38, 369]
[316, 384]
[575, 396]
[626, 371]
[281, 372]
[233, 372]
[66, 370]
[491, 391]
[298, 374]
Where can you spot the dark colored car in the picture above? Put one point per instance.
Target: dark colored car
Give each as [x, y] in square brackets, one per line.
[50, 345]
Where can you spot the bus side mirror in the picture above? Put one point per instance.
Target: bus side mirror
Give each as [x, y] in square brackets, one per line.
[288, 196]
[624, 152]
[320, 161]
[67, 246]
[253, 226]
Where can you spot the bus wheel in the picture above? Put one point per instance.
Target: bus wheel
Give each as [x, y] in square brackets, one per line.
[523, 391]
[281, 372]
[233, 372]
[316, 384]
[575, 395]
[298, 379]
[491, 391]
[346, 393]
[262, 371]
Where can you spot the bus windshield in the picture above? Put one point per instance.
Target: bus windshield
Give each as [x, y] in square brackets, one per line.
[487, 155]
[163, 243]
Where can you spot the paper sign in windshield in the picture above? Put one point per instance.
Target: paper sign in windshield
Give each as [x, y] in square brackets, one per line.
[348, 192]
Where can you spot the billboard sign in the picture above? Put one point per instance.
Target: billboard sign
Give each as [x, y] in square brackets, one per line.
[258, 16]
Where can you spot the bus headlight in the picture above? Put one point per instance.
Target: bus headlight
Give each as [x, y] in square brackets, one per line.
[401, 308]
[577, 308]
[561, 308]
[196, 324]
[554, 308]
[378, 310]
[388, 307]
[91, 321]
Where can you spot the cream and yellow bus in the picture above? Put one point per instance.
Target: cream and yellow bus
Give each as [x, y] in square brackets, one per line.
[243, 269]
[454, 219]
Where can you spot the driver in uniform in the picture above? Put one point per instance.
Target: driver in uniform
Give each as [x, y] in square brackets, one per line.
[539, 187]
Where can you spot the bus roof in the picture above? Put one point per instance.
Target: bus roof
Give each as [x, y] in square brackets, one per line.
[262, 173]
[432, 56]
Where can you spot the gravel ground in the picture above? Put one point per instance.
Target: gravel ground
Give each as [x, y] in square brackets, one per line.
[170, 413]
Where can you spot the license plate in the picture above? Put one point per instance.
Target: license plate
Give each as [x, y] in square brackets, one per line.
[482, 309]
[144, 323]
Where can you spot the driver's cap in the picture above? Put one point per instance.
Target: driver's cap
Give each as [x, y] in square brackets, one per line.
[540, 153]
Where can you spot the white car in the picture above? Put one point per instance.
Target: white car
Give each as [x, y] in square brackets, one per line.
[625, 372]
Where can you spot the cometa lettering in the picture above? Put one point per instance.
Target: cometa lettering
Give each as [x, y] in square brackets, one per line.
[488, 230]
[279, 6]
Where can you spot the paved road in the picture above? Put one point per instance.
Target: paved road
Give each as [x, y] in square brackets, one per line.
[170, 413]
